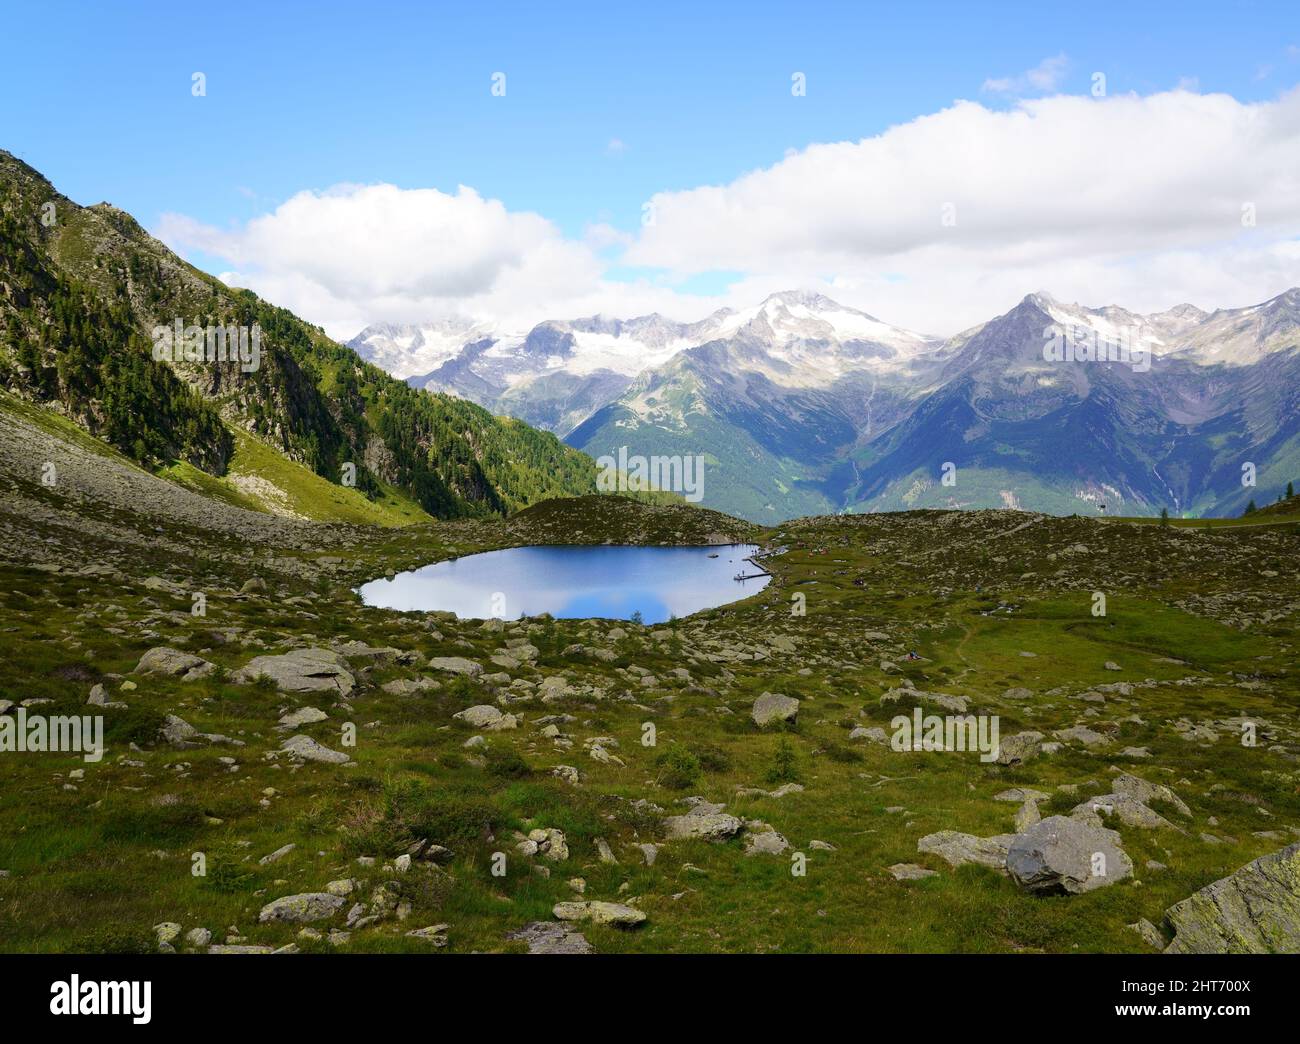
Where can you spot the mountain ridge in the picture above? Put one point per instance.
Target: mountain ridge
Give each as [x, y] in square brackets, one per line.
[1175, 398]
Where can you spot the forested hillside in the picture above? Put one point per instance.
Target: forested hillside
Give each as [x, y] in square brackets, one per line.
[82, 289]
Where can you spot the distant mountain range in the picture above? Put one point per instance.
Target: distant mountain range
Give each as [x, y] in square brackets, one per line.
[804, 406]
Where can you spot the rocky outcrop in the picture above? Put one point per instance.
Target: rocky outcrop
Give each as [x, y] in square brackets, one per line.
[956, 848]
[302, 670]
[551, 937]
[1255, 910]
[597, 912]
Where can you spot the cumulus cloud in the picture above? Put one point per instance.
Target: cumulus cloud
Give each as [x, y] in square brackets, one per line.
[1131, 200]
[357, 254]
[935, 224]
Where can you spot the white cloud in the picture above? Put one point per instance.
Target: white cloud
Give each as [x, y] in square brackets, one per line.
[1130, 200]
[1044, 77]
[357, 254]
[1127, 200]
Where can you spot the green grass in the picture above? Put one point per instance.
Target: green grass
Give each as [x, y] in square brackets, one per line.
[96, 866]
[259, 473]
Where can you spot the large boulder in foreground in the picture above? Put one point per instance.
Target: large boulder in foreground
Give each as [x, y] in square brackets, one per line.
[773, 707]
[301, 670]
[1255, 910]
[1059, 854]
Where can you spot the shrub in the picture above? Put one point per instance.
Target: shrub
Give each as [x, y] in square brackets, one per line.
[117, 939]
[507, 764]
[679, 769]
[783, 768]
[711, 759]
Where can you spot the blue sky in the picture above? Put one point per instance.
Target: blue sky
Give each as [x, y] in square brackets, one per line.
[605, 105]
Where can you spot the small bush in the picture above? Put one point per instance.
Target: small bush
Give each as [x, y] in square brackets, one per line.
[117, 939]
[507, 764]
[711, 759]
[411, 810]
[679, 769]
[839, 752]
[136, 725]
[229, 877]
[784, 769]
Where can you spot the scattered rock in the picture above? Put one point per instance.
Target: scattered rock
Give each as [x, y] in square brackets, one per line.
[956, 848]
[1021, 747]
[301, 670]
[302, 716]
[911, 872]
[765, 842]
[434, 933]
[172, 663]
[1149, 932]
[599, 913]
[455, 665]
[1059, 854]
[309, 750]
[772, 706]
[551, 937]
[302, 909]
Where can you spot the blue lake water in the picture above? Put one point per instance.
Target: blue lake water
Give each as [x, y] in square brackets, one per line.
[575, 582]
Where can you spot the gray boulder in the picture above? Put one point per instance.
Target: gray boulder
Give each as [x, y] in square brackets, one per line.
[772, 706]
[956, 848]
[302, 716]
[302, 909]
[1019, 748]
[765, 842]
[911, 872]
[178, 732]
[301, 670]
[480, 716]
[1082, 734]
[703, 821]
[455, 665]
[308, 749]
[1059, 854]
[599, 913]
[550, 937]
[172, 663]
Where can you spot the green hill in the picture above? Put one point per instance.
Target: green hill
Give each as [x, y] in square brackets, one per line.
[83, 292]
